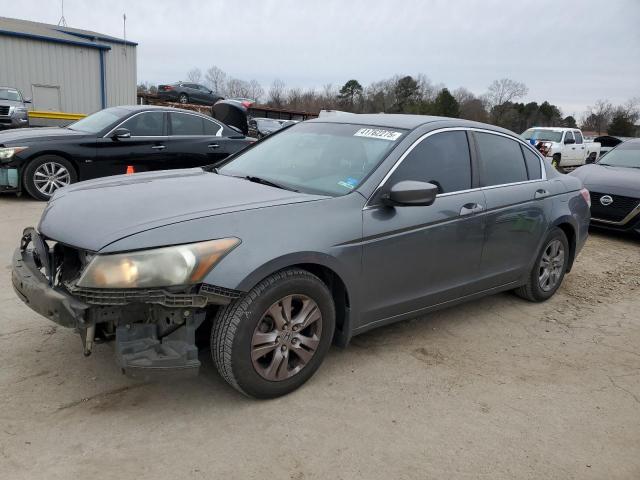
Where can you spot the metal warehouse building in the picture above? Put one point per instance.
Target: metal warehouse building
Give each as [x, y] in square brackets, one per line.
[66, 69]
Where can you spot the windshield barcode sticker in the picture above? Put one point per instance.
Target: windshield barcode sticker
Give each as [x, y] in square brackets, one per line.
[377, 133]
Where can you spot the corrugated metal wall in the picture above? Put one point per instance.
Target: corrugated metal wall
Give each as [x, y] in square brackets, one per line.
[75, 70]
[27, 64]
[120, 63]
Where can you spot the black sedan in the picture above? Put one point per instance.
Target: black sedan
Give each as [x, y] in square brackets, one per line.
[112, 141]
[614, 183]
[188, 93]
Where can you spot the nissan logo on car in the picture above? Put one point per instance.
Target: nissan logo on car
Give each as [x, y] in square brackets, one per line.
[606, 200]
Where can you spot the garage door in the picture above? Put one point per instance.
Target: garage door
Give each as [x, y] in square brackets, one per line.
[46, 97]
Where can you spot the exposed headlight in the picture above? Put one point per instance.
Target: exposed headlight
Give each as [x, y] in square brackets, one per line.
[158, 267]
[7, 153]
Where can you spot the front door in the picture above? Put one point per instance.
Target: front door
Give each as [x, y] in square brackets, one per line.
[146, 150]
[518, 207]
[419, 256]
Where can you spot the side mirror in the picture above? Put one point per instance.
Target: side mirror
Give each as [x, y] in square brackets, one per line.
[569, 141]
[27, 100]
[120, 133]
[410, 193]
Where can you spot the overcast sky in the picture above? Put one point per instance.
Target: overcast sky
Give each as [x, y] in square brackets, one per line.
[570, 53]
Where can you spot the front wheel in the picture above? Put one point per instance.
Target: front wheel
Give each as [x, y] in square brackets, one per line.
[44, 175]
[548, 271]
[273, 339]
[183, 98]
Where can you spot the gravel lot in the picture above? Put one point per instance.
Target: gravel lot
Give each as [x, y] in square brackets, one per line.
[496, 388]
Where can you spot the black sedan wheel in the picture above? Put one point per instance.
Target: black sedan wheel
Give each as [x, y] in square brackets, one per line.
[44, 175]
[183, 98]
[273, 339]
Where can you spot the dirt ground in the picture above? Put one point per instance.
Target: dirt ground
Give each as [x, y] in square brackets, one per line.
[497, 388]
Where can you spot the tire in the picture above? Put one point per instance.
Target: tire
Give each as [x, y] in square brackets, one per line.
[244, 329]
[555, 162]
[535, 289]
[183, 98]
[62, 172]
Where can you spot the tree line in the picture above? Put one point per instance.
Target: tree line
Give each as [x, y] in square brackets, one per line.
[499, 105]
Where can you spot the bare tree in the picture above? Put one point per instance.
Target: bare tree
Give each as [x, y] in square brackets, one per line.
[255, 91]
[598, 116]
[237, 88]
[216, 79]
[276, 93]
[194, 75]
[294, 98]
[503, 91]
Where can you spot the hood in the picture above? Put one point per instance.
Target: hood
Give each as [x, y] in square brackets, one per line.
[91, 215]
[36, 134]
[605, 179]
[11, 103]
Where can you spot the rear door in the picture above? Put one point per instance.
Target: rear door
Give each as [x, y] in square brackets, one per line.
[518, 206]
[195, 140]
[146, 149]
[418, 256]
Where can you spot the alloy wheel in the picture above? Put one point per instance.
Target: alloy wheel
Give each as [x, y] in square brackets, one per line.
[551, 265]
[50, 176]
[286, 337]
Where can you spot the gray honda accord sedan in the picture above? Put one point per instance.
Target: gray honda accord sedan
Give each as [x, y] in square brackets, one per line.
[315, 234]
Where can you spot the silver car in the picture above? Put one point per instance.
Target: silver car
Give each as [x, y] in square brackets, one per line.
[13, 108]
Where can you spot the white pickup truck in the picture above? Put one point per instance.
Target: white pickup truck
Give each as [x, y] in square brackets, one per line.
[565, 147]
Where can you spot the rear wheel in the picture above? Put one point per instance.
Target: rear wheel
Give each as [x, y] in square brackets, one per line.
[183, 98]
[272, 340]
[548, 271]
[46, 174]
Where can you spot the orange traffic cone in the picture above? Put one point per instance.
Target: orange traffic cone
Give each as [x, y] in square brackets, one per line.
[130, 169]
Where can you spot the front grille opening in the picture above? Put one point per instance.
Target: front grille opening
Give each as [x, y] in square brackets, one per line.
[616, 211]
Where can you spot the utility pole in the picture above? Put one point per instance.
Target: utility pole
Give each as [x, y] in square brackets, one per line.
[62, 22]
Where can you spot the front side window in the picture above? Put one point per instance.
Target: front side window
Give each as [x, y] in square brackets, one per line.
[184, 124]
[442, 159]
[148, 124]
[321, 158]
[578, 137]
[501, 160]
[568, 136]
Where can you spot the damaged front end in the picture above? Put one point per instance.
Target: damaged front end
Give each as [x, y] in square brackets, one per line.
[153, 327]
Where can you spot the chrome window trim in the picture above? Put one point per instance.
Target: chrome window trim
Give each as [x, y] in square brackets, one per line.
[543, 171]
[195, 114]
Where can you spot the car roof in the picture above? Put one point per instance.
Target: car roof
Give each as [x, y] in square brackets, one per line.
[404, 121]
[151, 108]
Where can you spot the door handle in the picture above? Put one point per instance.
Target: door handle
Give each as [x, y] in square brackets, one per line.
[158, 147]
[541, 193]
[470, 208]
[213, 145]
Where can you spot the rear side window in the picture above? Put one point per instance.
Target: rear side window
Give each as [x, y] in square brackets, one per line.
[501, 160]
[578, 137]
[442, 159]
[148, 124]
[184, 124]
[210, 128]
[533, 164]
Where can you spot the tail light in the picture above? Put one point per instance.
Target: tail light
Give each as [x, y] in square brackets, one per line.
[586, 195]
[246, 104]
[166, 88]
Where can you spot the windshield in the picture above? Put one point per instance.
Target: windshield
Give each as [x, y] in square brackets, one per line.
[626, 155]
[542, 135]
[100, 120]
[10, 94]
[322, 158]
